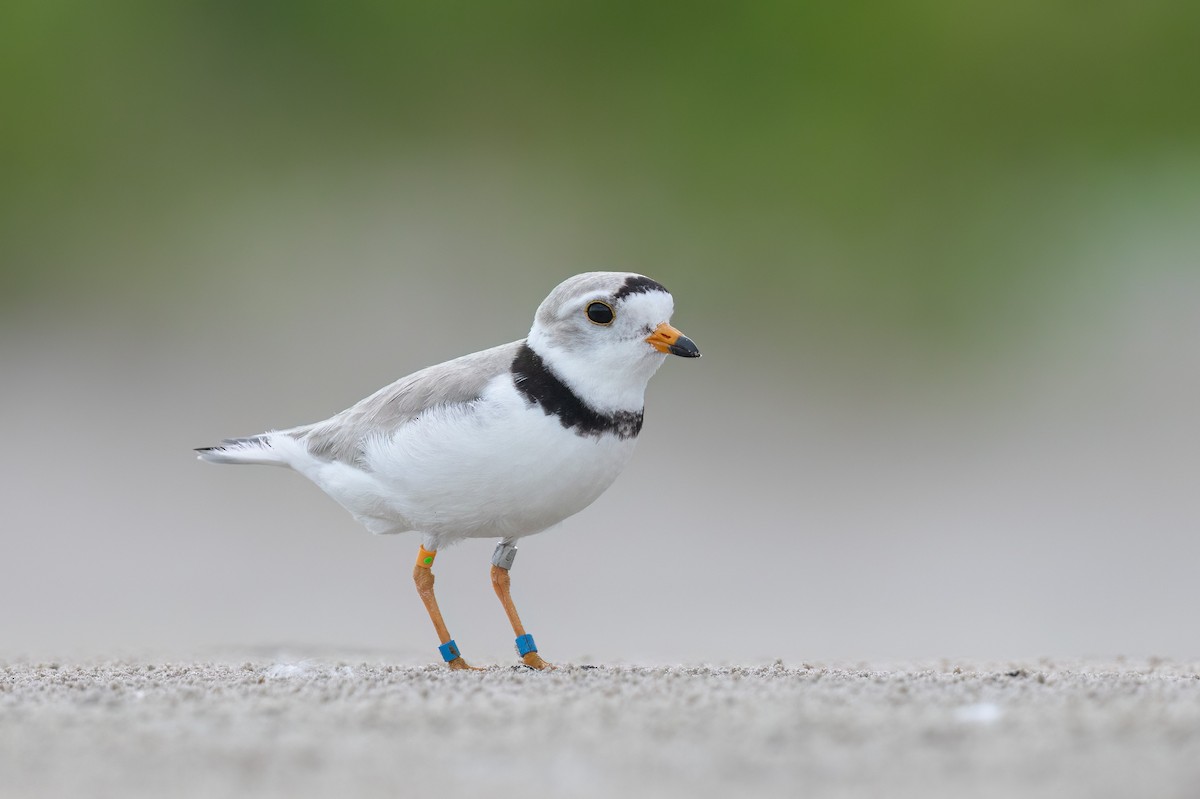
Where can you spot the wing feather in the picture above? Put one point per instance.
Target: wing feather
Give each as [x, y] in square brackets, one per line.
[457, 382]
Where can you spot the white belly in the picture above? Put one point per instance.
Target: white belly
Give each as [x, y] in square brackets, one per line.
[497, 469]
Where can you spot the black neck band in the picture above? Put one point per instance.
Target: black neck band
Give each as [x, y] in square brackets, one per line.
[542, 387]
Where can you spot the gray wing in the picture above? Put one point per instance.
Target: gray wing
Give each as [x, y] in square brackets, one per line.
[455, 382]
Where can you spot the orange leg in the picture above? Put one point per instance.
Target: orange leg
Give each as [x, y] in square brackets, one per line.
[501, 581]
[423, 577]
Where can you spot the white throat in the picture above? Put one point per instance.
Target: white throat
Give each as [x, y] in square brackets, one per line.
[608, 378]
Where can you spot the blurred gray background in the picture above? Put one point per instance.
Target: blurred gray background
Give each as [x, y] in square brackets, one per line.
[942, 262]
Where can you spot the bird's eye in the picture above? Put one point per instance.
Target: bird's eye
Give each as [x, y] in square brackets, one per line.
[600, 313]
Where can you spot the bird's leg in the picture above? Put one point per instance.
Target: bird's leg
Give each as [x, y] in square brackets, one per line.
[423, 577]
[502, 561]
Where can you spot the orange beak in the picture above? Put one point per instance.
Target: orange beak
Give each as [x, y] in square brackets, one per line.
[667, 339]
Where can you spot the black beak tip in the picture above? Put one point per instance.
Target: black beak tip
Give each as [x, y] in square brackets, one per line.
[684, 348]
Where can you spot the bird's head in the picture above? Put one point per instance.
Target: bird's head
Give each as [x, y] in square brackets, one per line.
[606, 334]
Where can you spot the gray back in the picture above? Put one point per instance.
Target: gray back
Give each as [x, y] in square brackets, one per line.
[455, 382]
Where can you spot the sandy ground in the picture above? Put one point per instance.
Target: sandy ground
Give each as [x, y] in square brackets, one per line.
[354, 727]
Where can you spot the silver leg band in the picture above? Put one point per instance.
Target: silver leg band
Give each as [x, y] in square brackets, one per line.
[505, 554]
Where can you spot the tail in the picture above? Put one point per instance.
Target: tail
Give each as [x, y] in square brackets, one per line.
[255, 449]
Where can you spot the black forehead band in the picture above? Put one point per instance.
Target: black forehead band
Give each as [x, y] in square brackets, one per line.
[638, 285]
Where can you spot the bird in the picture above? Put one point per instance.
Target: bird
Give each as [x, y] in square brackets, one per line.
[502, 443]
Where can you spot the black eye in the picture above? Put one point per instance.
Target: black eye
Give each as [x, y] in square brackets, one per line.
[600, 312]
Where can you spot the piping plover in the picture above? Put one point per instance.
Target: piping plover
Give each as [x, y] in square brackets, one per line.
[504, 443]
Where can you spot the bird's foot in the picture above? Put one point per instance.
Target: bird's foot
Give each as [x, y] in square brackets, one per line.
[458, 664]
[534, 661]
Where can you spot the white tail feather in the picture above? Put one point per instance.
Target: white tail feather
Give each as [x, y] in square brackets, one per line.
[256, 450]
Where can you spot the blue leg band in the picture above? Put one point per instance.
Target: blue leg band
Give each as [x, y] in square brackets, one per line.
[525, 645]
[450, 651]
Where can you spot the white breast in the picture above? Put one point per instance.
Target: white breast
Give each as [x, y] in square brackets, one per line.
[496, 468]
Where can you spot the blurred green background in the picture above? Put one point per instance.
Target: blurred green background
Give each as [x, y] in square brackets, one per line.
[946, 254]
[945, 170]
